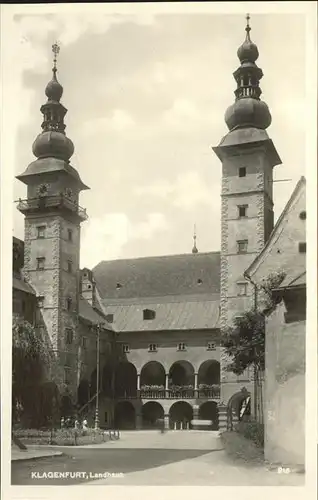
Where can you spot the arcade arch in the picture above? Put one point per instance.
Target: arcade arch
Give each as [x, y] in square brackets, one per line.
[181, 414]
[151, 412]
[125, 416]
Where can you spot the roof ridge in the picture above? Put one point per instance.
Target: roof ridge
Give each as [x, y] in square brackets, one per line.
[148, 257]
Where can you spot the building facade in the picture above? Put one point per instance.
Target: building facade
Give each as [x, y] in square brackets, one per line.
[140, 340]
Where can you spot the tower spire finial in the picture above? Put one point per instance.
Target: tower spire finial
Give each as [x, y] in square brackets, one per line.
[55, 50]
[248, 28]
[194, 249]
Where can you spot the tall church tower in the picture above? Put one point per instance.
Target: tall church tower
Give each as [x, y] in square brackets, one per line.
[248, 156]
[52, 233]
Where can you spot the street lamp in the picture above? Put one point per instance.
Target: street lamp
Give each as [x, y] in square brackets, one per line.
[97, 379]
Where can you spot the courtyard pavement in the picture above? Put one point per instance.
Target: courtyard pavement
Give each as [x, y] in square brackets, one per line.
[148, 458]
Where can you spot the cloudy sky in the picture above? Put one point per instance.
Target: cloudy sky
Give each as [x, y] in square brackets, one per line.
[146, 95]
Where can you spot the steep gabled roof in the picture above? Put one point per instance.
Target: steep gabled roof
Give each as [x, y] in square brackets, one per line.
[200, 312]
[89, 315]
[159, 276]
[277, 229]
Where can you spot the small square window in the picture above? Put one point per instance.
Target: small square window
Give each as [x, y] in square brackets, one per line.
[126, 348]
[242, 288]
[148, 314]
[68, 304]
[211, 346]
[41, 231]
[84, 342]
[69, 266]
[69, 336]
[70, 235]
[152, 348]
[40, 263]
[182, 346]
[242, 209]
[242, 172]
[109, 318]
[302, 247]
[242, 246]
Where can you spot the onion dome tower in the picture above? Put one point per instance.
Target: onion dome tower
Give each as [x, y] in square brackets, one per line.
[248, 110]
[52, 225]
[248, 156]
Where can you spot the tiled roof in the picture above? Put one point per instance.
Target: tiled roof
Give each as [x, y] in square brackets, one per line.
[185, 274]
[23, 286]
[294, 279]
[88, 314]
[178, 313]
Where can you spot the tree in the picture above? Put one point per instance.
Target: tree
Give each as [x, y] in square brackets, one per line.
[29, 358]
[244, 341]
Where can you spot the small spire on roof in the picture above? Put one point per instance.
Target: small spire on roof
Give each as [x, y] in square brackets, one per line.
[55, 50]
[194, 249]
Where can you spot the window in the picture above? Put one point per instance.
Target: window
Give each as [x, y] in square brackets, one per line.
[242, 246]
[199, 281]
[110, 318]
[68, 336]
[211, 346]
[149, 314]
[70, 235]
[84, 342]
[41, 231]
[126, 348]
[40, 263]
[152, 348]
[69, 266]
[118, 286]
[302, 247]
[182, 347]
[242, 288]
[242, 210]
[89, 287]
[302, 215]
[67, 375]
[68, 304]
[242, 172]
[40, 301]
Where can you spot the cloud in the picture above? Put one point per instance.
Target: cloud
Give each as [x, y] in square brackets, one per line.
[103, 238]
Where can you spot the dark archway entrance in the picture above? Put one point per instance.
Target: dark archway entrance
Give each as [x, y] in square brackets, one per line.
[107, 381]
[209, 411]
[126, 380]
[67, 409]
[151, 412]
[181, 414]
[83, 393]
[152, 374]
[125, 416]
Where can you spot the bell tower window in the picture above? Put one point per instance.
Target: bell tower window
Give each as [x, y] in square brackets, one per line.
[242, 246]
[41, 231]
[242, 172]
[242, 209]
[40, 263]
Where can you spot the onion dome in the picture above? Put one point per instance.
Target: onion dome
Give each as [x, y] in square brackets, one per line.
[52, 142]
[248, 51]
[248, 110]
[54, 89]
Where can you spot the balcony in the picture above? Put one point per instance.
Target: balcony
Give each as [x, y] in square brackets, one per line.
[46, 203]
[212, 392]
